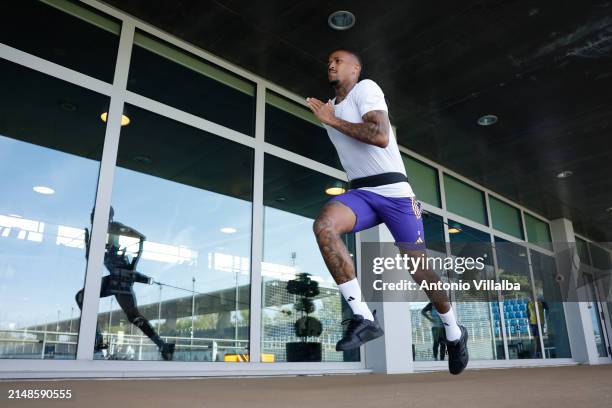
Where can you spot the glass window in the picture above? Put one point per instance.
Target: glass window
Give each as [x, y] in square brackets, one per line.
[476, 310]
[506, 218]
[170, 75]
[70, 34]
[538, 232]
[177, 258]
[601, 258]
[51, 139]
[583, 251]
[423, 180]
[433, 226]
[548, 292]
[519, 307]
[464, 200]
[427, 328]
[295, 128]
[293, 197]
[599, 331]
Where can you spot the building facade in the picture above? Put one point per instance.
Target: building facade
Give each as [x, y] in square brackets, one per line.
[205, 180]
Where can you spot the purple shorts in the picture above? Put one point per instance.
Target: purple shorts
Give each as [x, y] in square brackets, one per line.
[402, 215]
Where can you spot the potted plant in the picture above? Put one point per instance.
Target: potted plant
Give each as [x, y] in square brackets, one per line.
[306, 326]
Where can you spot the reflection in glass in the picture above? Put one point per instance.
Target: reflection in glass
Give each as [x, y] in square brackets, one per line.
[426, 325]
[595, 312]
[552, 317]
[48, 172]
[295, 128]
[519, 306]
[168, 74]
[600, 282]
[293, 196]
[63, 32]
[477, 310]
[124, 248]
[189, 193]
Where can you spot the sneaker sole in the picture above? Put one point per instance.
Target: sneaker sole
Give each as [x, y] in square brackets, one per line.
[382, 333]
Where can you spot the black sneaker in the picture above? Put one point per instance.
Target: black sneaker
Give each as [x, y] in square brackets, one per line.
[457, 350]
[358, 332]
[167, 351]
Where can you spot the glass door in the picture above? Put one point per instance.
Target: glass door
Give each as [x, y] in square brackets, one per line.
[598, 318]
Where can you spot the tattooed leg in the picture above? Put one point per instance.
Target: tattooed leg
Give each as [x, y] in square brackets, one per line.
[334, 220]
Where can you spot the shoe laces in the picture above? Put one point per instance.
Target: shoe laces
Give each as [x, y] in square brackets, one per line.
[353, 323]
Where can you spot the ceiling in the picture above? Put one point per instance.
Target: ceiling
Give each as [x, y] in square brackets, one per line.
[543, 67]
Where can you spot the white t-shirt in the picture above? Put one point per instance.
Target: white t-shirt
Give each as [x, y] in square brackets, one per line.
[360, 159]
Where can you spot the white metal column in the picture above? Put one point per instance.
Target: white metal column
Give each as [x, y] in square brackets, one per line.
[258, 228]
[392, 354]
[93, 276]
[578, 319]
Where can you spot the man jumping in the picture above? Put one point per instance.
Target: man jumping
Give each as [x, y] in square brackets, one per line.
[358, 125]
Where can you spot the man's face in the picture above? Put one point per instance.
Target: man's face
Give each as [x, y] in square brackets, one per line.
[342, 67]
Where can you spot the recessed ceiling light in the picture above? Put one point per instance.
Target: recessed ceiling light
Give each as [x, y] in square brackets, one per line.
[125, 120]
[44, 190]
[335, 187]
[333, 191]
[565, 174]
[228, 230]
[341, 20]
[487, 120]
[609, 209]
[454, 228]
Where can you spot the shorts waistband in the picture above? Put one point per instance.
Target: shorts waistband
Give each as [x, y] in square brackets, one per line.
[377, 180]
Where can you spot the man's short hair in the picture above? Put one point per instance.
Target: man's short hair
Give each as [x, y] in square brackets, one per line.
[353, 53]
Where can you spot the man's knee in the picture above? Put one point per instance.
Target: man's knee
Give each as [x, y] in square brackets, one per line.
[325, 225]
[334, 218]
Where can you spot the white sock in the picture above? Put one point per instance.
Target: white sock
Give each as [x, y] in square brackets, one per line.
[352, 294]
[453, 332]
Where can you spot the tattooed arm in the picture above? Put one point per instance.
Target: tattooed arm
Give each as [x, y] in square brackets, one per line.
[374, 130]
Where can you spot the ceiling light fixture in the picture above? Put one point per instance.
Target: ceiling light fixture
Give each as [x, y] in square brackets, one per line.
[454, 228]
[125, 120]
[487, 120]
[44, 190]
[334, 191]
[341, 20]
[565, 174]
[336, 188]
[228, 230]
